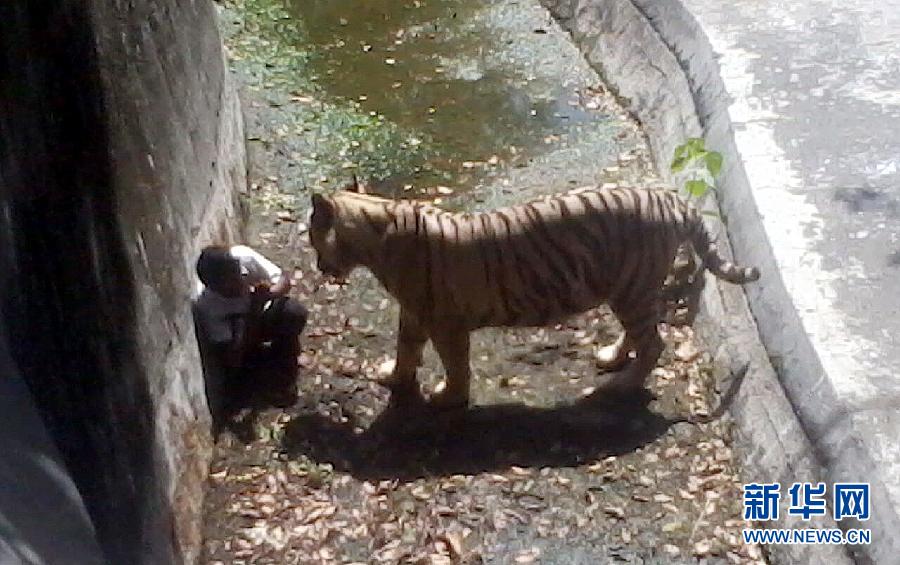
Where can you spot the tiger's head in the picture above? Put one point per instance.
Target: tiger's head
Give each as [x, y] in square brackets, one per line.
[345, 228]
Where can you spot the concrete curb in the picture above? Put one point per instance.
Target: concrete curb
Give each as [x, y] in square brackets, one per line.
[658, 58]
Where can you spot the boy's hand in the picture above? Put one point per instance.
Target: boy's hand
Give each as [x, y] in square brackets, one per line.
[259, 295]
[282, 287]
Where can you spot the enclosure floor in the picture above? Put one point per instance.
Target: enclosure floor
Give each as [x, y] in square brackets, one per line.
[537, 470]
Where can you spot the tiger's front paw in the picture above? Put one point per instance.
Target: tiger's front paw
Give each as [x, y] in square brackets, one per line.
[609, 359]
[445, 400]
[396, 381]
[613, 357]
[400, 386]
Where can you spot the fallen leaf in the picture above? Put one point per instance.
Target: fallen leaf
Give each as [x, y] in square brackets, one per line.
[528, 555]
[702, 547]
[671, 549]
[455, 544]
[687, 352]
[673, 452]
[671, 527]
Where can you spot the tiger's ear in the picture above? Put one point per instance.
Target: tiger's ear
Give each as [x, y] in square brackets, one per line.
[323, 211]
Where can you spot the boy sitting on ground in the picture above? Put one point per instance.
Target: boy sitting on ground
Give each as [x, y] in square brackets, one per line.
[243, 303]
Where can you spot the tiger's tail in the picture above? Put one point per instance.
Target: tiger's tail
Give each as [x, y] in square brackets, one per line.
[712, 260]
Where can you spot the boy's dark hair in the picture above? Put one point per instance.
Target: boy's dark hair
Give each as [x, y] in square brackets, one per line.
[216, 263]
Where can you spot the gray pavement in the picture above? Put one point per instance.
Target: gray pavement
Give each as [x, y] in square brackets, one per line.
[816, 109]
[813, 101]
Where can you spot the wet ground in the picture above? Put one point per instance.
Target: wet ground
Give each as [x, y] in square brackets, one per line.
[474, 103]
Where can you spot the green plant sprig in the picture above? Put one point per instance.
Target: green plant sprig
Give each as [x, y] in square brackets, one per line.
[704, 165]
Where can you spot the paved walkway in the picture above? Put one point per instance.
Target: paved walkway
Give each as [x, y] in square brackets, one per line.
[815, 103]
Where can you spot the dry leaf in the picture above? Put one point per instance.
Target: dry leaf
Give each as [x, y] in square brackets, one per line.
[385, 368]
[671, 549]
[455, 545]
[687, 352]
[671, 527]
[528, 555]
[702, 547]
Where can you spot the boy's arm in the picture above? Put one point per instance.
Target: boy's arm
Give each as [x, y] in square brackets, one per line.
[246, 334]
[282, 287]
[224, 336]
[256, 263]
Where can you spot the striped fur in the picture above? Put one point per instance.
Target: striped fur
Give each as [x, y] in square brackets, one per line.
[527, 265]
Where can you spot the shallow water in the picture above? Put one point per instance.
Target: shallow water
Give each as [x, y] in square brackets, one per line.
[485, 86]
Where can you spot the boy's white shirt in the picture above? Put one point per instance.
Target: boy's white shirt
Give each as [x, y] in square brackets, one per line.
[216, 310]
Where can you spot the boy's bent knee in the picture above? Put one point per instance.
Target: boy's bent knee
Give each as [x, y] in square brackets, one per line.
[295, 315]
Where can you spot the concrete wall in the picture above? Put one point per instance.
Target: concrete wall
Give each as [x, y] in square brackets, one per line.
[121, 151]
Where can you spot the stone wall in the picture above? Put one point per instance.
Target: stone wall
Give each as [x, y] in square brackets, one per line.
[121, 154]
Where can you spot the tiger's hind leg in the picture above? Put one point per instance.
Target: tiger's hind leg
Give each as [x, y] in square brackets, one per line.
[685, 311]
[615, 356]
[411, 339]
[682, 290]
[453, 348]
[641, 320]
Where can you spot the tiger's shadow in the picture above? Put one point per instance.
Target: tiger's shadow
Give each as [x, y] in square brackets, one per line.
[409, 440]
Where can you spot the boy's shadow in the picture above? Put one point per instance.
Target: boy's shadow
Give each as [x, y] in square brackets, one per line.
[266, 381]
[410, 440]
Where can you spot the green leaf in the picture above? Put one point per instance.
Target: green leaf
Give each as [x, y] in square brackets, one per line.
[695, 146]
[696, 187]
[710, 213]
[680, 158]
[714, 162]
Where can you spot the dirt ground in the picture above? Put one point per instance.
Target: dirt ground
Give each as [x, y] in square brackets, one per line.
[534, 472]
[537, 471]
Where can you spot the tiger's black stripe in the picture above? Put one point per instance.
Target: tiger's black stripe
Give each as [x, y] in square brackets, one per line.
[538, 261]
